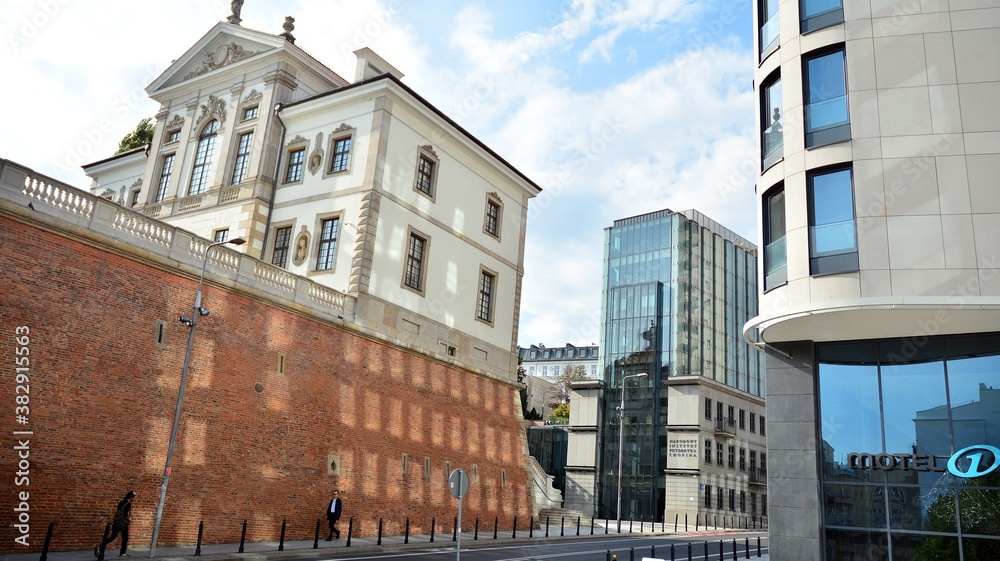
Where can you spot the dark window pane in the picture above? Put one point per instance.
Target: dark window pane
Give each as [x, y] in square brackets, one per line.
[295, 160]
[906, 547]
[282, 239]
[849, 405]
[812, 8]
[327, 244]
[857, 545]
[341, 152]
[978, 549]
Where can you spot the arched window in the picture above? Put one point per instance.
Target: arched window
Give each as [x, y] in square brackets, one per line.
[203, 158]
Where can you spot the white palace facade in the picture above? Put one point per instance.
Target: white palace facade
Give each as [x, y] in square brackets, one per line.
[360, 186]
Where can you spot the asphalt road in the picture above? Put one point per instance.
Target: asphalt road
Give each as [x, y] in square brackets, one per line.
[581, 549]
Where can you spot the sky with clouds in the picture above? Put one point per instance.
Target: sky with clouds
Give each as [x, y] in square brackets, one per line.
[616, 108]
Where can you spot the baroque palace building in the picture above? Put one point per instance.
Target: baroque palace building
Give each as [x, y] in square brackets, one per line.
[879, 286]
[363, 340]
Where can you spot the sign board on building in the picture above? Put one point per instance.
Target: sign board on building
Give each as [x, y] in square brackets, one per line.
[682, 451]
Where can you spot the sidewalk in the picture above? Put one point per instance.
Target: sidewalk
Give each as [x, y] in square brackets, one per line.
[304, 548]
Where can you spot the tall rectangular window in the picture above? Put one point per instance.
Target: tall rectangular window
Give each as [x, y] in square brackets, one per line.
[242, 157]
[295, 161]
[763, 432]
[425, 176]
[492, 222]
[166, 169]
[743, 419]
[327, 252]
[341, 154]
[743, 501]
[732, 457]
[817, 14]
[833, 244]
[743, 459]
[769, 36]
[282, 240]
[708, 496]
[413, 274]
[775, 257]
[826, 114]
[719, 459]
[753, 422]
[708, 409]
[718, 495]
[487, 286]
[203, 158]
[708, 451]
[732, 500]
[772, 137]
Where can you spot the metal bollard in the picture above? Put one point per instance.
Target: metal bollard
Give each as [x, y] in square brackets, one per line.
[706, 548]
[675, 521]
[672, 553]
[591, 526]
[546, 526]
[689, 550]
[605, 525]
[475, 536]
[406, 536]
[496, 522]
[747, 545]
[48, 540]
[652, 551]
[454, 533]
[630, 525]
[578, 525]
[107, 531]
[201, 531]
[758, 546]
[697, 519]
[562, 526]
[735, 554]
[631, 554]
[243, 536]
[379, 542]
[513, 533]
[641, 526]
[316, 539]
[685, 522]
[350, 531]
[531, 526]
[281, 544]
[433, 522]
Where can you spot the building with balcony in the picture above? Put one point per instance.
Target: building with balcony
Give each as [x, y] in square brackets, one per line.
[547, 363]
[879, 293]
[677, 289]
[362, 186]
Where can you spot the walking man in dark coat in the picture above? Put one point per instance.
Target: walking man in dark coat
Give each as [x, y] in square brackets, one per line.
[123, 517]
[333, 514]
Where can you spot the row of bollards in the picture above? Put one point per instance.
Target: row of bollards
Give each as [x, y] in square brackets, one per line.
[690, 551]
[406, 539]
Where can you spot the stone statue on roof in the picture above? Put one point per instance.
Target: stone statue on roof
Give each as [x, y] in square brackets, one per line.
[237, 5]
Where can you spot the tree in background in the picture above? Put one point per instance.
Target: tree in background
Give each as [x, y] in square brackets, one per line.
[571, 373]
[141, 136]
[561, 413]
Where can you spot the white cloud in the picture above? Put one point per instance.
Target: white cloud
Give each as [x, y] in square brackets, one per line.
[670, 129]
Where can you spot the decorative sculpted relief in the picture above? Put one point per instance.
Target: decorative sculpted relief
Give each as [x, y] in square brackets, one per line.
[343, 127]
[175, 122]
[316, 158]
[429, 149]
[214, 106]
[254, 95]
[301, 247]
[223, 55]
[298, 138]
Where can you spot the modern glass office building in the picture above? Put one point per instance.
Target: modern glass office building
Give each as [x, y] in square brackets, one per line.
[880, 292]
[678, 288]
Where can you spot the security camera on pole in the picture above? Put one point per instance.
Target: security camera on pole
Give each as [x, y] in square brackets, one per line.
[458, 484]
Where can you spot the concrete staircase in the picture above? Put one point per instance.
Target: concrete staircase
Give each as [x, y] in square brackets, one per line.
[567, 517]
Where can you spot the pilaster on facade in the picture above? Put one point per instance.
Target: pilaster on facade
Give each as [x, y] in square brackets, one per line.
[364, 251]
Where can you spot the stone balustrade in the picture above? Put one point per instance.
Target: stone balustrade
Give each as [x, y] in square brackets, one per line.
[73, 207]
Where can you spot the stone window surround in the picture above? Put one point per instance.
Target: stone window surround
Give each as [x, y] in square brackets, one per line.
[269, 251]
[493, 199]
[312, 252]
[424, 260]
[483, 270]
[295, 144]
[342, 132]
[427, 152]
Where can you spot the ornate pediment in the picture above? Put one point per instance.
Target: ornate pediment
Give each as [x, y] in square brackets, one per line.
[175, 122]
[297, 140]
[343, 127]
[214, 106]
[137, 182]
[220, 56]
[429, 149]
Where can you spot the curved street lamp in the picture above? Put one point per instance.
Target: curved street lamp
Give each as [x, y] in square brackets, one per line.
[621, 441]
[192, 322]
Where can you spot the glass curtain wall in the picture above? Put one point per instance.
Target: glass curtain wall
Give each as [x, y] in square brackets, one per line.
[675, 298]
[911, 430]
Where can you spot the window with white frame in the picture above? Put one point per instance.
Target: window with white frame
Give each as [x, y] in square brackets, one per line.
[341, 154]
[416, 256]
[487, 289]
[282, 242]
[221, 235]
[203, 158]
[326, 253]
[242, 157]
[491, 222]
[166, 169]
[296, 159]
[426, 173]
[250, 112]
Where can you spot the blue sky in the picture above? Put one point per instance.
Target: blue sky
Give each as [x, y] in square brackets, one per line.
[615, 108]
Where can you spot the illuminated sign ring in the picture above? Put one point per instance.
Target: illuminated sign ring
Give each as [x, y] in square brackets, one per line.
[975, 454]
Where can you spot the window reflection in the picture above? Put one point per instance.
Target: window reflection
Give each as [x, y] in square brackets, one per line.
[923, 401]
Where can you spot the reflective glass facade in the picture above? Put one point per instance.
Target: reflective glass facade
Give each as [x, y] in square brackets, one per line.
[678, 288]
[900, 480]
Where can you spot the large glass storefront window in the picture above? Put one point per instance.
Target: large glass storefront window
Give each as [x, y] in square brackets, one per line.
[911, 448]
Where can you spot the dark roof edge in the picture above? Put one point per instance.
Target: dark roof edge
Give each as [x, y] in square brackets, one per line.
[426, 103]
[144, 147]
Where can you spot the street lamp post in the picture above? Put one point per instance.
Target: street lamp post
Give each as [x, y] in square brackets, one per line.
[621, 440]
[191, 322]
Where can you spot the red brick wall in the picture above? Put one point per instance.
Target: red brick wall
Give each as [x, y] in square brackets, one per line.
[102, 398]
